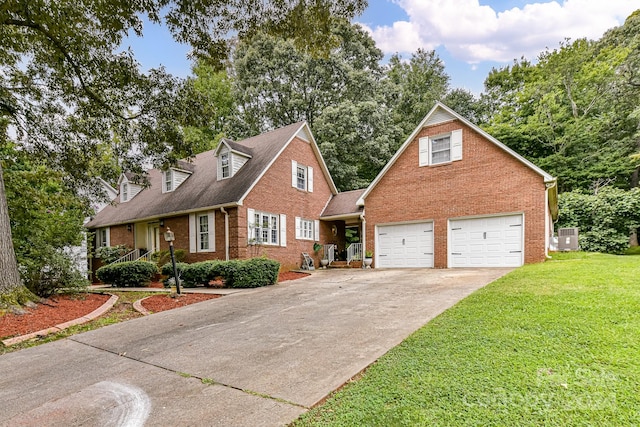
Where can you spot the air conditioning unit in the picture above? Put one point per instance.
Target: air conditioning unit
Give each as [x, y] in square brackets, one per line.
[568, 239]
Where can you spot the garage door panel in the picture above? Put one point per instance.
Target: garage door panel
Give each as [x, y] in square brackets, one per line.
[405, 245]
[486, 242]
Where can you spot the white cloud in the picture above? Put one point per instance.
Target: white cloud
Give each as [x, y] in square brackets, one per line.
[474, 33]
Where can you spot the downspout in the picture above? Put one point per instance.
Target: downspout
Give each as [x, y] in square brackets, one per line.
[551, 202]
[364, 236]
[226, 233]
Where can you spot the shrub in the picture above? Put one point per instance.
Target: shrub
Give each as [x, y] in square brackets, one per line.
[53, 275]
[251, 273]
[604, 219]
[167, 270]
[131, 273]
[163, 257]
[109, 254]
[200, 273]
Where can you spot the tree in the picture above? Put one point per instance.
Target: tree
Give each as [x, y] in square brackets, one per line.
[339, 96]
[46, 220]
[604, 219]
[466, 104]
[218, 106]
[412, 88]
[68, 90]
[571, 113]
[275, 84]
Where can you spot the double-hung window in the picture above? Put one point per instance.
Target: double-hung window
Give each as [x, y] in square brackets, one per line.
[202, 232]
[168, 181]
[301, 174]
[264, 228]
[125, 192]
[301, 177]
[102, 237]
[439, 149]
[224, 165]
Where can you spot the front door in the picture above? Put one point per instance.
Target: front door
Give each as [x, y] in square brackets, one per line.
[153, 237]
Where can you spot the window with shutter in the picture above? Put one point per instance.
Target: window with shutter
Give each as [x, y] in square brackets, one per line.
[440, 148]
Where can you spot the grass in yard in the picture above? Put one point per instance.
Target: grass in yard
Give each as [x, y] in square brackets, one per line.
[121, 311]
[553, 344]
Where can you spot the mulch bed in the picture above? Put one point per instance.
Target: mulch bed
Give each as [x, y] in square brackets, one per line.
[164, 302]
[51, 312]
[63, 308]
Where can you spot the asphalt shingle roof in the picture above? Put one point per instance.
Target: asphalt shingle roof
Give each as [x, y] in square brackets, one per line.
[201, 189]
[344, 204]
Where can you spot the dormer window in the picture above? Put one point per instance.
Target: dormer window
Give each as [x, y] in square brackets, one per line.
[168, 180]
[224, 165]
[230, 159]
[128, 188]
[173, 178]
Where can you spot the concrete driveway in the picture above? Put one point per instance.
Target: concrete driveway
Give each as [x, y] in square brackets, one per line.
[255, 358]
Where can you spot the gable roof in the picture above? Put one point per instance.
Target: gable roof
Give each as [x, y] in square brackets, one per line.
[440, 113]
[343, 205]
[202, 190]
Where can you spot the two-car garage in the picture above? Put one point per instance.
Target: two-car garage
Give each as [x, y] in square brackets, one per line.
[493, 241]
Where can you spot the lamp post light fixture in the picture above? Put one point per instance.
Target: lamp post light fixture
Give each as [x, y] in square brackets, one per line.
[169, 236]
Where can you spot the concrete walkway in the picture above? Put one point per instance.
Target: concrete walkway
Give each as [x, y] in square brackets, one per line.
[256, 358]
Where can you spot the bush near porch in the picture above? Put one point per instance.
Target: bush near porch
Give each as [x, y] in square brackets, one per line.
[130, 273]
[250, 273]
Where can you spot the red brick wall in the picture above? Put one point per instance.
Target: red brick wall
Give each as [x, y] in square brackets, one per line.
[486, 181]
[274, 194]
[119, 235]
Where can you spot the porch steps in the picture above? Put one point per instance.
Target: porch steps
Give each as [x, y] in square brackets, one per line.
[343, 264]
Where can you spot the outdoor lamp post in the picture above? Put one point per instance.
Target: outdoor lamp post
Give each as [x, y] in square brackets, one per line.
[170, 237]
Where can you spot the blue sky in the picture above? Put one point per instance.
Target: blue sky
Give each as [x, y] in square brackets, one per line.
[470, 36]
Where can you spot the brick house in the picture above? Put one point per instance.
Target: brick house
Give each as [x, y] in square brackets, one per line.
[454, 196]
[260, 196]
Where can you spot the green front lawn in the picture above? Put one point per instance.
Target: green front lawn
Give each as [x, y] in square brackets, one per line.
[553, 344]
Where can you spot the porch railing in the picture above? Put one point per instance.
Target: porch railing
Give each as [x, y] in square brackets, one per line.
[145, 257]
[134, 255]
[354, 252]
[330, 253]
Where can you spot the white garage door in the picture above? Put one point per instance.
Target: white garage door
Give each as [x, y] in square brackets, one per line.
[405, 245]
[486, 242]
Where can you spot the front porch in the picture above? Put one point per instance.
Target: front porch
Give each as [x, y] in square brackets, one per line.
[345, 220]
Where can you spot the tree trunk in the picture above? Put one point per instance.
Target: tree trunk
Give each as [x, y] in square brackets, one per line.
[10, 282]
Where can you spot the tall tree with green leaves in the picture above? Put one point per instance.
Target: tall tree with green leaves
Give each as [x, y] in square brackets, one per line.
[276, 84]
[67, 88]
[412, 88]
[215, 87]
[572, 112]
[339, 96]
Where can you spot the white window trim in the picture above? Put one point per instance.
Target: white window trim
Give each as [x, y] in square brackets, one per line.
[308, 179]
[307, 229]
[425, 155]
[167, 178]
[124, 192]
[100, 242]
[255, 231]
[194, 232]
[228, 165]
